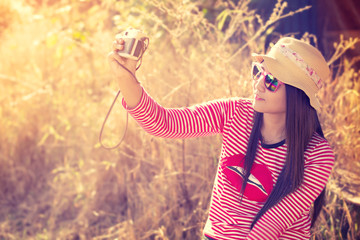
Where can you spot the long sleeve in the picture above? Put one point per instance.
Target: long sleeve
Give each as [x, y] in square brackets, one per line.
[200, 120]
[318, 166]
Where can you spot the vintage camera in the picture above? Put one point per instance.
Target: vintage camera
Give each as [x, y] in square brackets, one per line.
[135, 43]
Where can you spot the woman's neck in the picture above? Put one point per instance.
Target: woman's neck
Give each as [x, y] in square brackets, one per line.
[273, 129]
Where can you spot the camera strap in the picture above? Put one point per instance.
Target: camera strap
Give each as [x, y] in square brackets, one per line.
[145, 42]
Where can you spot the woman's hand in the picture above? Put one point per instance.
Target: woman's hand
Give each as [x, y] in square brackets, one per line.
[128, 84]
[115, 60]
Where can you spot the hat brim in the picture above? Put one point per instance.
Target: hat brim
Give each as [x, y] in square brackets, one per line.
[277, 70]
[257, 57]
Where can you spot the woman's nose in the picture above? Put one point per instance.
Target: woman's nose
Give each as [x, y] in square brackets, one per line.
[259, 84]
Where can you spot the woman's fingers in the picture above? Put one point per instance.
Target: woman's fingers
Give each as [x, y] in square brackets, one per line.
[119, 40]
[115, 59]
[118, 45]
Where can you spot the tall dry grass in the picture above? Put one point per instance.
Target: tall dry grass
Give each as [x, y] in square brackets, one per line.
[56, 180]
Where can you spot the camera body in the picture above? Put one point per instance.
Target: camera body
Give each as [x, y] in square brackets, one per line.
[134, 43]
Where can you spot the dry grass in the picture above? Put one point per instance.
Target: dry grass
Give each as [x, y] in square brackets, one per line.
[57, 183]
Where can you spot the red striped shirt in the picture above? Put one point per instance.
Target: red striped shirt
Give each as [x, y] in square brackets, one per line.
[228, 219]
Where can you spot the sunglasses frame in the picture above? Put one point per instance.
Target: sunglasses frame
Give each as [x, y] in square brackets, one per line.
[266, 74]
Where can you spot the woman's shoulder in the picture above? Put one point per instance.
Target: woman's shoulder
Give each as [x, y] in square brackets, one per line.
[239, 105]
[236, 110]
[246, 108]
[319, 147]
[317, 139]
[245, 104]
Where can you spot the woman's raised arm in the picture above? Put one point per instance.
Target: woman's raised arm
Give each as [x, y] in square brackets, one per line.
[129, 86]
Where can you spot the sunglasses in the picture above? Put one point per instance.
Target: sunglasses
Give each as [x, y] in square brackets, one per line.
[270, 82]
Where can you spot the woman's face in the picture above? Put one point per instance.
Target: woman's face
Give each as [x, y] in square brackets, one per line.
[266, 101]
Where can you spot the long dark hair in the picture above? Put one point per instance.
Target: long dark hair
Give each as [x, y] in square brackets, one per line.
[301, 123]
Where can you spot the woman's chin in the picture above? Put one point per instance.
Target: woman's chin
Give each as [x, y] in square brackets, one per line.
[257, 106]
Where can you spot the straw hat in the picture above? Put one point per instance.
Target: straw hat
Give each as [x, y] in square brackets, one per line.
[298, 64]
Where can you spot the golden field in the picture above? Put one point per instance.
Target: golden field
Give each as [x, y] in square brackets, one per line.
[57, 182]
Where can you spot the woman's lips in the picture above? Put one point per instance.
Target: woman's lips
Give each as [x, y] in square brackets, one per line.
[258, 98]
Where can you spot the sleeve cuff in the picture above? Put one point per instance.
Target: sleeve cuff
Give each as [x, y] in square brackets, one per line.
[139, 106]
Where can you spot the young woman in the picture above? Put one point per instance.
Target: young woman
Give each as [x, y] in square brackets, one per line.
[274, 161]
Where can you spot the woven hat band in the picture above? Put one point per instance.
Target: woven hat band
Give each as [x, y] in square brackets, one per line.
[300, 62]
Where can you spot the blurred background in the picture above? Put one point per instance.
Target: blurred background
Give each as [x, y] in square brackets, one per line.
[57, 182]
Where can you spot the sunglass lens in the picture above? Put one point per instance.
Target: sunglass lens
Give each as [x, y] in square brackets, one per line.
[256, 72]
[271, 83]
